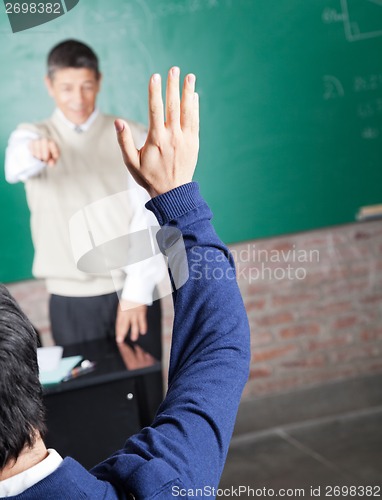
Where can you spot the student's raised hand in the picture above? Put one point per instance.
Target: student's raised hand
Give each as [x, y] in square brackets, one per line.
[168, 158]
[45, 150]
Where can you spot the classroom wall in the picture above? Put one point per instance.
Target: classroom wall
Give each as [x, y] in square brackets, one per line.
[316, 321]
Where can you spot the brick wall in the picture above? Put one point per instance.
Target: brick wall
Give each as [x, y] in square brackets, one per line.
[314, 302]
[322, 321]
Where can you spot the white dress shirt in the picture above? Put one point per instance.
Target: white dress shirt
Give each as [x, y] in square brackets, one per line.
[141, 277]
[17, 484]
[20, 164]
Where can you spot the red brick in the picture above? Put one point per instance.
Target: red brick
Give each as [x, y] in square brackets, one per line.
[273, 386]
[373, 334]
[355, 353]
[255, 289]
[305, 362]
[316, 278]
[363, 235]
[328, 344]
[278, 300]
[359, 270]
[299, 330]
[261, 338]
[345, 322]
[283, 246]
[264, 386]
[272, 353]
[255, 305]
[263, 371]
[330, 309]
[371, 299]
[275, 319]
[314, 242]
[346, 288]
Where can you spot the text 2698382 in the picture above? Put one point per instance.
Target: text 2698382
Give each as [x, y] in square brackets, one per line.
[33, 8]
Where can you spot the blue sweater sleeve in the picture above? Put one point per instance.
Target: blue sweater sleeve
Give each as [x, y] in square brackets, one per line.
[186, 445]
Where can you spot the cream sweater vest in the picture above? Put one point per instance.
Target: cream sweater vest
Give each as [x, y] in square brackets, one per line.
[90, 168]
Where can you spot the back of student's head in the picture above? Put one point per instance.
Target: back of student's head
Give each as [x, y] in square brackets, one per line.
[72, 54]
[21, 405]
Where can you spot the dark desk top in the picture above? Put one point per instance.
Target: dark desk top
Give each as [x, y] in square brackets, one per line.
[113, 362]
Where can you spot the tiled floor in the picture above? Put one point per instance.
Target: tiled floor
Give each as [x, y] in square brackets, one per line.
[326, 451]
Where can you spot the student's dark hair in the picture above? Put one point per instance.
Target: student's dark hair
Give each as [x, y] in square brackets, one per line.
[72, 54]
[22, 414]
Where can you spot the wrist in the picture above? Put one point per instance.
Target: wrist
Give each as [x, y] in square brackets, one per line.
[176, 202]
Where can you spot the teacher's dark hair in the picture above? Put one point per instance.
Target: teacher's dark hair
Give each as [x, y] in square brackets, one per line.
[72, 54]
[22, 415]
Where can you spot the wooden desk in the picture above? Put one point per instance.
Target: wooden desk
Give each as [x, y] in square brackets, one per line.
[90, 417]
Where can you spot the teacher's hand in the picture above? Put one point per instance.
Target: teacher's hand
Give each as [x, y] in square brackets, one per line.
[130, 317]
[45, 150]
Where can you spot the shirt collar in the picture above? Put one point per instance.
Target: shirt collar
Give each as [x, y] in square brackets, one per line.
[17, 484]
[80, 128]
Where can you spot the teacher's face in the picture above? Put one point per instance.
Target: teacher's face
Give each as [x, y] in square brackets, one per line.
[74, 91]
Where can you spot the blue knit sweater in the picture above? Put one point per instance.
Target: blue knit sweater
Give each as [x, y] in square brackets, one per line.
[186, 445]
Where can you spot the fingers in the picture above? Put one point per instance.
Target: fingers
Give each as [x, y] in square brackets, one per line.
[134, 330]
[195, 115]
[126, 143]
[45, 150]
[133, 319]
[138, 323]
[156, 113]
[172, 98]
[121, 328]
[187, 107]
[54, 151]
[142, 323]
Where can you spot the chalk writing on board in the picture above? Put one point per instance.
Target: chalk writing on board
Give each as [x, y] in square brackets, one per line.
[367, 83]
[370, 108]
[136, 13]
[370, 133]
[188, 6]
[332, 87]
[369, 25]
[368, 111]
[330, 15]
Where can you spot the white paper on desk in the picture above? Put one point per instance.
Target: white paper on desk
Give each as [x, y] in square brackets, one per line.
[56, 376]
[49, 358]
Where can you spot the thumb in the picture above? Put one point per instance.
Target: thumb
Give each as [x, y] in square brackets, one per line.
[126, 143]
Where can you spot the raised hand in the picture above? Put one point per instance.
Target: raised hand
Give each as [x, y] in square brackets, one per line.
[169, 156]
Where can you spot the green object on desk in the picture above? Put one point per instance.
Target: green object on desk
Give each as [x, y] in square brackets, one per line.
[56, 376]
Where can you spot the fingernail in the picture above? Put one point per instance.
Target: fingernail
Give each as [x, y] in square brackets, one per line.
[119, 125]
[191, 79]
[156, 78]
[175, 71]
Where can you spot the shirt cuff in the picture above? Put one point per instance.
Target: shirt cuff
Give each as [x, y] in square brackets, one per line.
[175, 203]
[136, 290]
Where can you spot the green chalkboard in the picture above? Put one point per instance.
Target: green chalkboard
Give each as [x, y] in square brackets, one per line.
[290, 92]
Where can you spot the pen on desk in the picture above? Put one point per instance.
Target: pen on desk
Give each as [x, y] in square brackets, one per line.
[85, 367]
